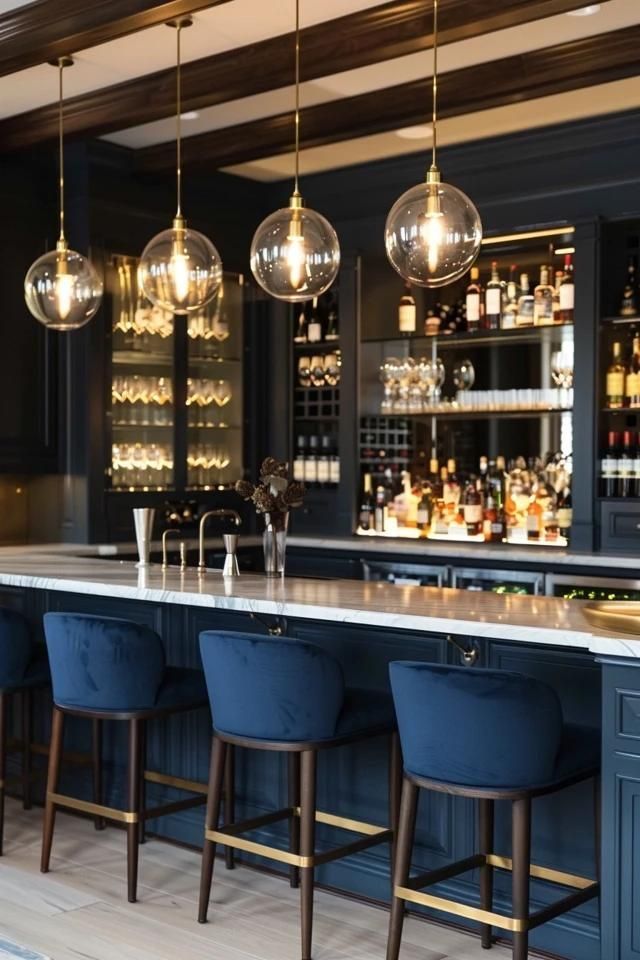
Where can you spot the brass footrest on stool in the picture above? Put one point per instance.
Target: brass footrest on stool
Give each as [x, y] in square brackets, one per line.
[585, 887]
[231, 837]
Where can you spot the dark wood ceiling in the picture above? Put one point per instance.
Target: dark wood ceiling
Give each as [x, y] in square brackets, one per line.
[370, 36]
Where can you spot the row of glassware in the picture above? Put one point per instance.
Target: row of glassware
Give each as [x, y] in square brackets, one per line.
[206, 465]
[145, 401]
[320, 371]
[150, 465]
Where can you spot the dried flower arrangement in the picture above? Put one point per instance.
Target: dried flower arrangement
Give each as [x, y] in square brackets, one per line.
[274, 494]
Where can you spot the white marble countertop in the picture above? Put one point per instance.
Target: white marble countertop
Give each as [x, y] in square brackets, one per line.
[537, 620]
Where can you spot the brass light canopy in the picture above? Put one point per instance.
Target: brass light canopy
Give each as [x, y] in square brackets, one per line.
[433, 231]
[295, 252]
[62, 288]
[180, 269]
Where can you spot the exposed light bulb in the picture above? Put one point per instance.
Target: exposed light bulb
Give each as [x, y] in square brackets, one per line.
[431, 230]
[63, 291]
[295, 255]
[179, 272]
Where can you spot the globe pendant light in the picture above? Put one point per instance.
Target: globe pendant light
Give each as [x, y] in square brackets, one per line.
[433, 231]
[62, 289]
[295, 253]
[180, 269]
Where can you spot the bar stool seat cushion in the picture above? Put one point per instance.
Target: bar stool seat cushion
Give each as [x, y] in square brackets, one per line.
[23, 664]
[282, 689]
[115, 666]
[580, 751]
[477, 727]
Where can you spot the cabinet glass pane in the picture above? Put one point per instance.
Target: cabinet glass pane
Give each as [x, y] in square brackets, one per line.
[215, 390]
[142, 388]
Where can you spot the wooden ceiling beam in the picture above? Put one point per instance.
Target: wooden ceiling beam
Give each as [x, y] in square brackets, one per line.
[372, 35]
[48, 29]
[516, 79]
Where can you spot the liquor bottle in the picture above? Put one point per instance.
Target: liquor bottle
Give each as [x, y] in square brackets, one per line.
[472, 508]
[367, 505]
[380, 511]
[425, 510]
[524, 316]
[299, 461]
[332, 322]
[301, 332]
[322, 462]
[609, 467]
[474, 301]
[629, 304]
[564, 513]
[534, 519]
[615, 393]
[311, 461]
[510, 312]
[632, 382]
[556, 296]
[314, 330]
[452, 490]
[543, 300]
[407, 312]
[493, 300]
[431, 323]
[483, 478]
[626, 462]
[567, 293]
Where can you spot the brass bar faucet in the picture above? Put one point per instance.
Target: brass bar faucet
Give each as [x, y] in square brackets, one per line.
[183, 549]
[231, 568]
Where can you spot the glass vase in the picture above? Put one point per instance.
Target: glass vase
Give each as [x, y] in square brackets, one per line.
[274, 542]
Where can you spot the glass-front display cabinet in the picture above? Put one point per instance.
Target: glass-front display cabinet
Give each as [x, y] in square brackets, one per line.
[176, 410]
[466, 398]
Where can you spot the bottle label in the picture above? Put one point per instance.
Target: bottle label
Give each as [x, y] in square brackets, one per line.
[298, 470]
[473, 513]
[423, 515]
[310, 471]
[615, 383]
[532, 523]
[565, 516]
[609, 467]
[497, 527]
[636, 468]
[314, 333]
[494, 301]
[323, 471]
[631, 385]
[334, 470]
[407, 318]
[473, 308]
[567, 296]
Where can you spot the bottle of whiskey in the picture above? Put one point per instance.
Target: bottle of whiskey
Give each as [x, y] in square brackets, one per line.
[567, 293]
[629, 304]
[474, 301]
[472, 508]
[632, 383]
[493, 300]
[367, 505]
[543, 300]
[510, 312]
[407, 312]
[615, 393]
[524, 316]
[314, 330]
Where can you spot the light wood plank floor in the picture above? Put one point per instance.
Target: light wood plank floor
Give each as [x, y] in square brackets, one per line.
[79, 910]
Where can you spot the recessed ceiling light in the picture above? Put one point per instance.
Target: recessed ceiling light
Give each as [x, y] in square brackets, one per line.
[419, 132]
[585, 11]
[190, 115]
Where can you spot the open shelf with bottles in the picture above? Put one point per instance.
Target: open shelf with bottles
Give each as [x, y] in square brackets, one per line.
[500, 395]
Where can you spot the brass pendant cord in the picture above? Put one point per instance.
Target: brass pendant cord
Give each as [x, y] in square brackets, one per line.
[434, 141]
[178, 122]
[61, 66]
[296, 190]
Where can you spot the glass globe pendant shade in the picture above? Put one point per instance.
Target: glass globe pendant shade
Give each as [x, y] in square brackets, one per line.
[62, 289]
[433, 233]
[180, 269]
[295, 253]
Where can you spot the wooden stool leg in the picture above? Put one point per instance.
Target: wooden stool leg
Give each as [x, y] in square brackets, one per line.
[214, 798]
[521, 855]
[486, 817]
[402, 866]
[27, 736]
[133, 805]
[230, 800]
[293, 763]
[395, 794]
[142, 832]
[53, 773]
[308, 763]
[3, 759]
[96, 762]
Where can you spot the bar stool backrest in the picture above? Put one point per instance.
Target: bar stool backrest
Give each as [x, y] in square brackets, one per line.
[271, 688]
[102, 663]
[476, 727]
[16, 648]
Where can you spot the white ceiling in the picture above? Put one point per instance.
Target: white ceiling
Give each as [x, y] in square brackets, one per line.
[241, 22]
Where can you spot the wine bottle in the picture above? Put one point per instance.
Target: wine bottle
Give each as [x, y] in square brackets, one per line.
[609, 467]
[425, 510]
[472, 507]
[625, 467]
[510, 312]
[301, 332]
[632, 382]
[332, 322]
[567, 293]
[543, 300]
[407, 312]
[314, 331]
[629, 304]
[367, 505]
[615, 394]
[474, 301]
[493, 300]
[524, 316]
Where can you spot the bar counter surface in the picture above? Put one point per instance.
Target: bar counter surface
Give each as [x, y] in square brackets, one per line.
[366, 625]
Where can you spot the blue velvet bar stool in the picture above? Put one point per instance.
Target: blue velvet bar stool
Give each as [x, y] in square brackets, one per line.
[489, 735]
[282, 694]
[23, 669]
[108, 669]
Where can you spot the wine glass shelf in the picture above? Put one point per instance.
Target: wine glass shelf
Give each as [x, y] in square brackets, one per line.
[322, 346]
[522, 335]
[620, 321]
[483, 414]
